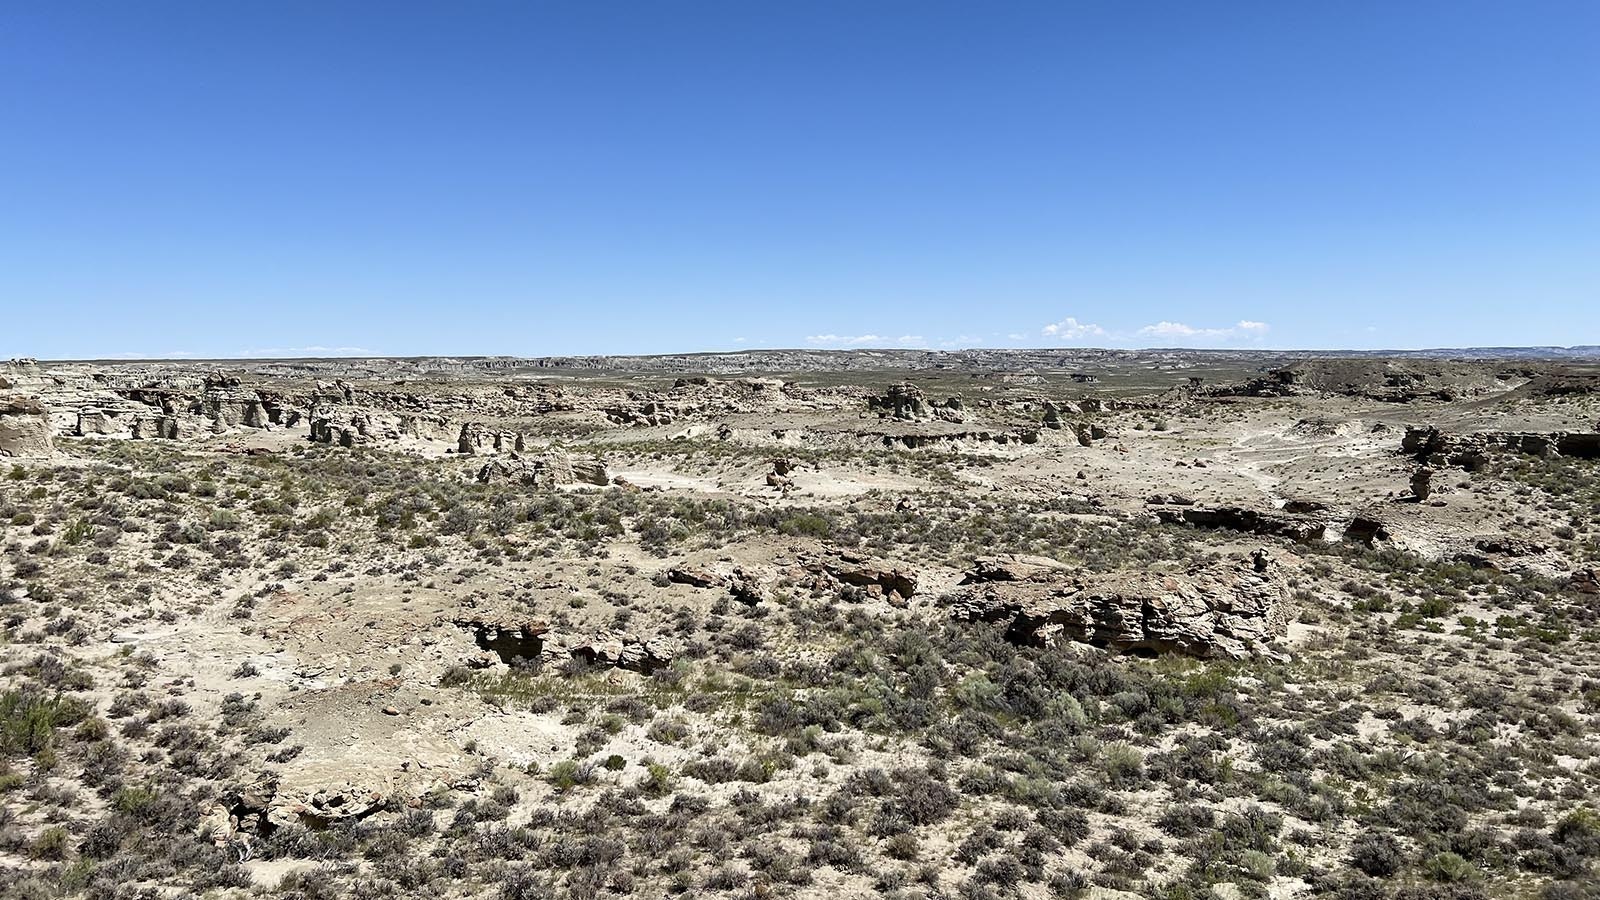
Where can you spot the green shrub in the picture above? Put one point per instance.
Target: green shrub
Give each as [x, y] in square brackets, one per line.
[1448, 867]
[50, 844]
[28, 720]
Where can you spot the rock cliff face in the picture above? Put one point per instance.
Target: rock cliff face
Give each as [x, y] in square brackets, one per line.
[1436, 447]
[24, 428]
[1232, 610]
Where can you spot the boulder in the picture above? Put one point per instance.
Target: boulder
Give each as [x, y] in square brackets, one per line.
[695, 576]
[1169, 500]
[1052, 415]
[1366, 529]
[92, 421]
[1087, 433]
[1232, 609]
[588, 470]
[1304, 507]
[1585, 581]
[240, 816]
[746, 587]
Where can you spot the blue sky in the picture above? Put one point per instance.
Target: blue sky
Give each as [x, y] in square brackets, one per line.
[238, 179]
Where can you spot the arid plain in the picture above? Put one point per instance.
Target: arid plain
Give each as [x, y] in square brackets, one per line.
[904, 624]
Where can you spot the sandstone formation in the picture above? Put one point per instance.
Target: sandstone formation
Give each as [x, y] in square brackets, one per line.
[476, 438]
[891, 582]
[695, 576]
[547, 469]
[1421, 483]
[1436, 447]
[641, 411]
[512, 640]
[907, 403]
[328, 428]
[916, 441]
[623, 652]
[325, 805]
[1251, 521]
[1233, 610]
[24, 428]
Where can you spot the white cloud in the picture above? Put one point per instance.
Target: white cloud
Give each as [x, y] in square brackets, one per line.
[306, 351]
[840, 340]
[170, 354]
[1245, 328]
[1071, 329]
[1175, 330]
[865, 340]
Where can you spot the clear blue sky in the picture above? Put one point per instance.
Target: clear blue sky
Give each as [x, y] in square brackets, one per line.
[225, 179]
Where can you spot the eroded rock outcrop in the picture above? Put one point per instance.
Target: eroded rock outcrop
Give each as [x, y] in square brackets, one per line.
[1366, 528]
[547, 469]
[1233, 610]
[513, 641]
[639, 410]
[1435, 447]
[1422, 483]
[476, 438]
[325, 805]
[24, 428]
[635, 654]
[907, 402]
[345, 430]
[1250, 521]
[1502, 553]
[696, 576]
[903, 441]
[742, 585]
[879, 578]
